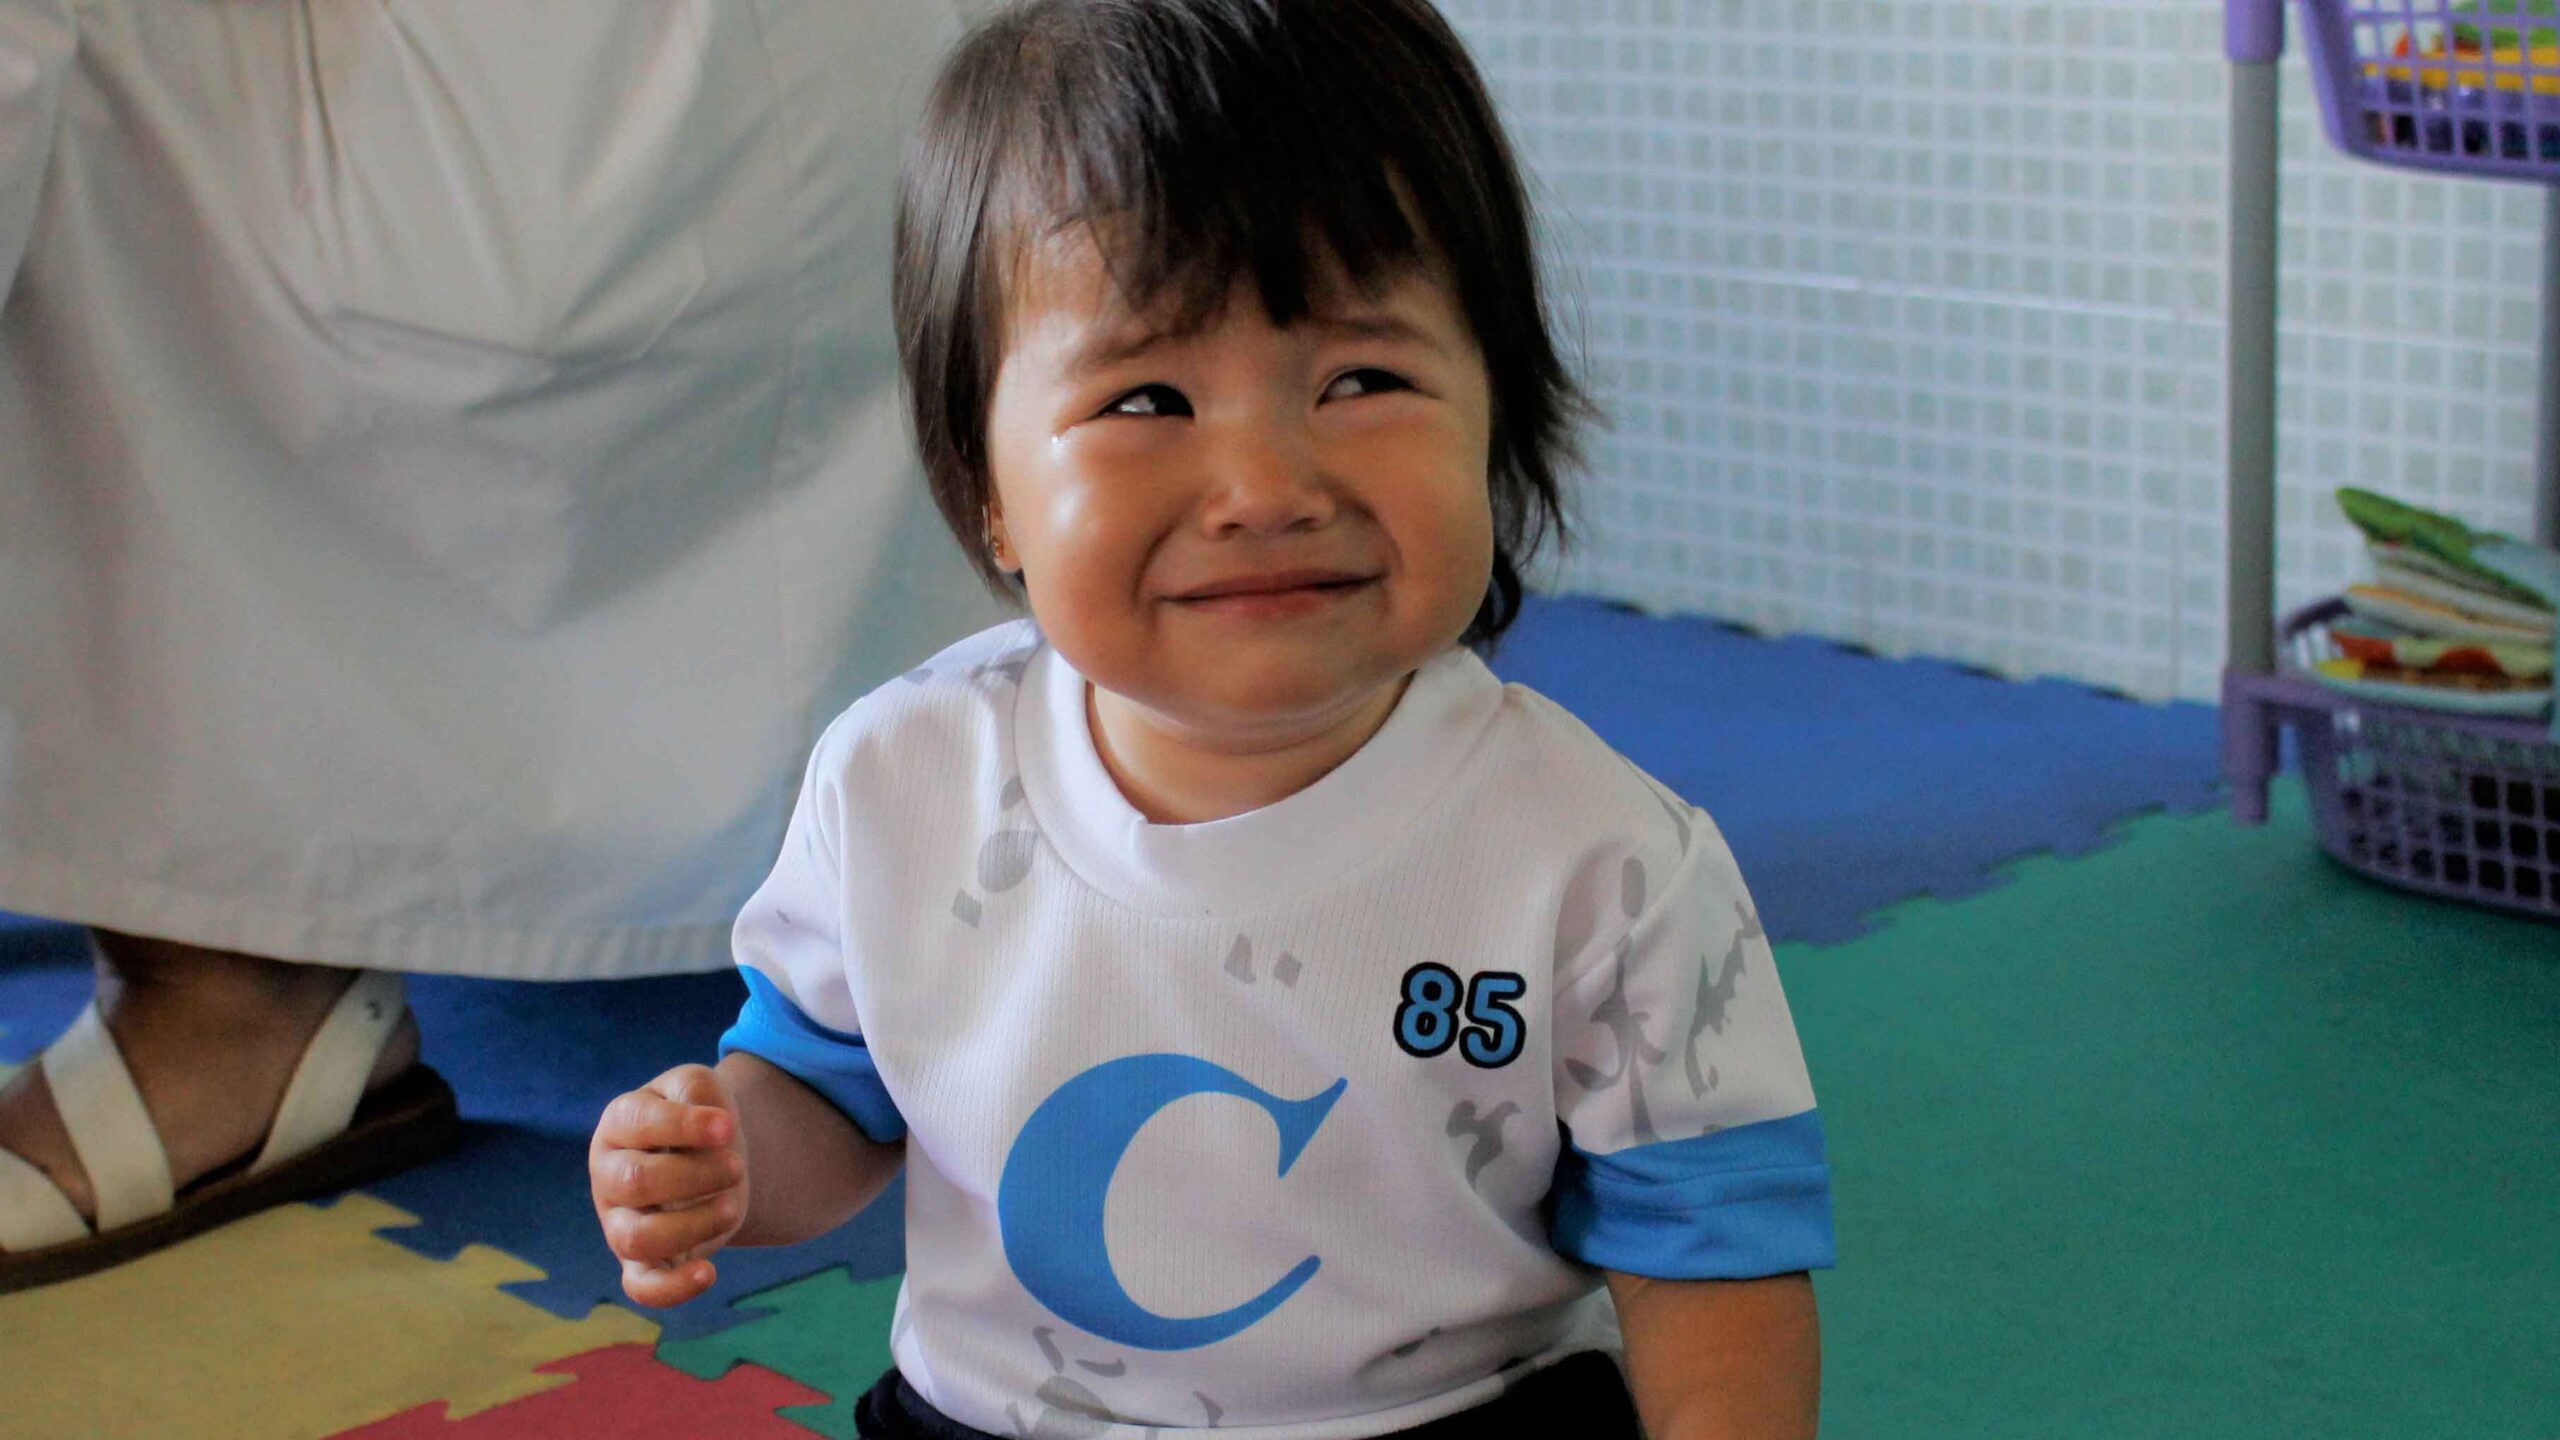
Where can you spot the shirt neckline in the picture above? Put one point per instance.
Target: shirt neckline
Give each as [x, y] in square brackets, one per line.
[1263, 857]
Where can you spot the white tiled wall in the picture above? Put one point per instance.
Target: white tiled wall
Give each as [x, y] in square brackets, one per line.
[1909, 314]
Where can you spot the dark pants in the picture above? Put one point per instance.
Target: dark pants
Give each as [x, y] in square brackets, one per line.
[1581, 1396]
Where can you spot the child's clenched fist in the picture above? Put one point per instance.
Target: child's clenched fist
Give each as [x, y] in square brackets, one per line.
[669, 1182]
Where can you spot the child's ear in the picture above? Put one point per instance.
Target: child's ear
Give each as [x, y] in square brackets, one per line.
[999, 544]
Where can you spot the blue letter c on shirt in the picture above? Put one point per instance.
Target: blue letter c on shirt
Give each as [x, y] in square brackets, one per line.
[1050, 1202]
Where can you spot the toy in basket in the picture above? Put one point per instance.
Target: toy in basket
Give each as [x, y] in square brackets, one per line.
[2482, 57]
[2454, 619]
[2457, 806]
[2418, 702]
[2461, 85]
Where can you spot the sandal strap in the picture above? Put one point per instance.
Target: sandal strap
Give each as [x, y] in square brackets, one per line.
[34, 1213]
[329, 1082]
[110, 1129]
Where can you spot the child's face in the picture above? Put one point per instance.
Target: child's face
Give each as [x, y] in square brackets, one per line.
[1247, 531]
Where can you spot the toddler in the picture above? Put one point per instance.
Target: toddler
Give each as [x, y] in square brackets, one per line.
[1286, 1027]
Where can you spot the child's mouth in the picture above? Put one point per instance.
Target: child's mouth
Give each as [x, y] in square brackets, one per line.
[1274, 595]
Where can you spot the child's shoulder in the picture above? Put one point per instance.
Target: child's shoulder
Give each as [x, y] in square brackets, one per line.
[1550, 769]
[1623, 848]
[958, 698]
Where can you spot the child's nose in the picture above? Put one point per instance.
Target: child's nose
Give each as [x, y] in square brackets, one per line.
[1263, 479]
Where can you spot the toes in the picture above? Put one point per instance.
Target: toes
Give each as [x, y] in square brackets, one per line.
[31, 1129]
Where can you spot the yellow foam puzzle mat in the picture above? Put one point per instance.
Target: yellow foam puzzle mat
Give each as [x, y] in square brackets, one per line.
[294, 1324]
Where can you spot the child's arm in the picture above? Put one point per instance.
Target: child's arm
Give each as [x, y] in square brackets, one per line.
[814, 1168]
[671, 1164]
[1722, 1359]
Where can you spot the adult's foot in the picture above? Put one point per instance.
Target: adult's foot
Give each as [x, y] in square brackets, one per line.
[212, 1038]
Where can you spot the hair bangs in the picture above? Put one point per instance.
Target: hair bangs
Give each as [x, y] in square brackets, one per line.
[1201, 150]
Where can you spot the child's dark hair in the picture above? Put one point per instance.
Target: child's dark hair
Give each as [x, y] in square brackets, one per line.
[1221, 139]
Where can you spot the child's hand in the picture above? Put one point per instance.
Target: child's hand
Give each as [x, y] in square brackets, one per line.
[669, 1184]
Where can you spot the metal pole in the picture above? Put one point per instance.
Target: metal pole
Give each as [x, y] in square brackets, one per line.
[2251, 418]
[2546, 417]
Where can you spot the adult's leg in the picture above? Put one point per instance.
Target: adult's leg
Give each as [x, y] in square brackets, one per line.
[212, 1038]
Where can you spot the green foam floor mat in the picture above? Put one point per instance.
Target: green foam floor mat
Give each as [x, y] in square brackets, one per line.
[2199, 1135]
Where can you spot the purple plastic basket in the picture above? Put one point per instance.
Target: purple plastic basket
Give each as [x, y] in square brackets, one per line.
[2471, 88]
[2447, 805]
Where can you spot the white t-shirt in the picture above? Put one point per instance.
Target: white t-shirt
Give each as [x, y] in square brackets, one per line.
[1310, 1122]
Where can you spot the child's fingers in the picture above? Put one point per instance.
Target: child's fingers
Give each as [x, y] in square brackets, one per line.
[657, 1285]
[693, 1085]
[667, 1186]
[646, 1120]
[658, 1236]
[648, 1179]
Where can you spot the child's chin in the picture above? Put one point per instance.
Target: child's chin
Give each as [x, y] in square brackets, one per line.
[1276, 695]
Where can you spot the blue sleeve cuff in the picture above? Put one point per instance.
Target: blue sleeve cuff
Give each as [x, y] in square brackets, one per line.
[831, 1062]
[1736, 1204]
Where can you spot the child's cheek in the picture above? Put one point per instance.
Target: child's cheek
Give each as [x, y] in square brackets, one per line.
[1089, 519]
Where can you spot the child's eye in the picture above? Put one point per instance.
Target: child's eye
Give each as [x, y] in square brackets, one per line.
[1150, 400]
[1352, 383]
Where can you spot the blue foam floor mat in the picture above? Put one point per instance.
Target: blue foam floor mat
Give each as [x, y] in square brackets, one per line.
[1844, 784]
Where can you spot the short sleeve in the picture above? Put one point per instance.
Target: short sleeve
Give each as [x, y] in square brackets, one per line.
[37, 41]
[789, 945]
[1695, 1151]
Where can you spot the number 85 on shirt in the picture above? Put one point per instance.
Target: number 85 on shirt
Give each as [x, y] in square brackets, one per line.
[1439, 1011]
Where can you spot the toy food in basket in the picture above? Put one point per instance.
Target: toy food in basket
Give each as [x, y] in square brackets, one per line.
[2372, 644]
[2455, 619]
[2505, 68]
[2455, 88]
[2502, 58]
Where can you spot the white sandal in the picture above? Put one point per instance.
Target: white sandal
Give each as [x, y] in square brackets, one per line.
[327, 1134]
